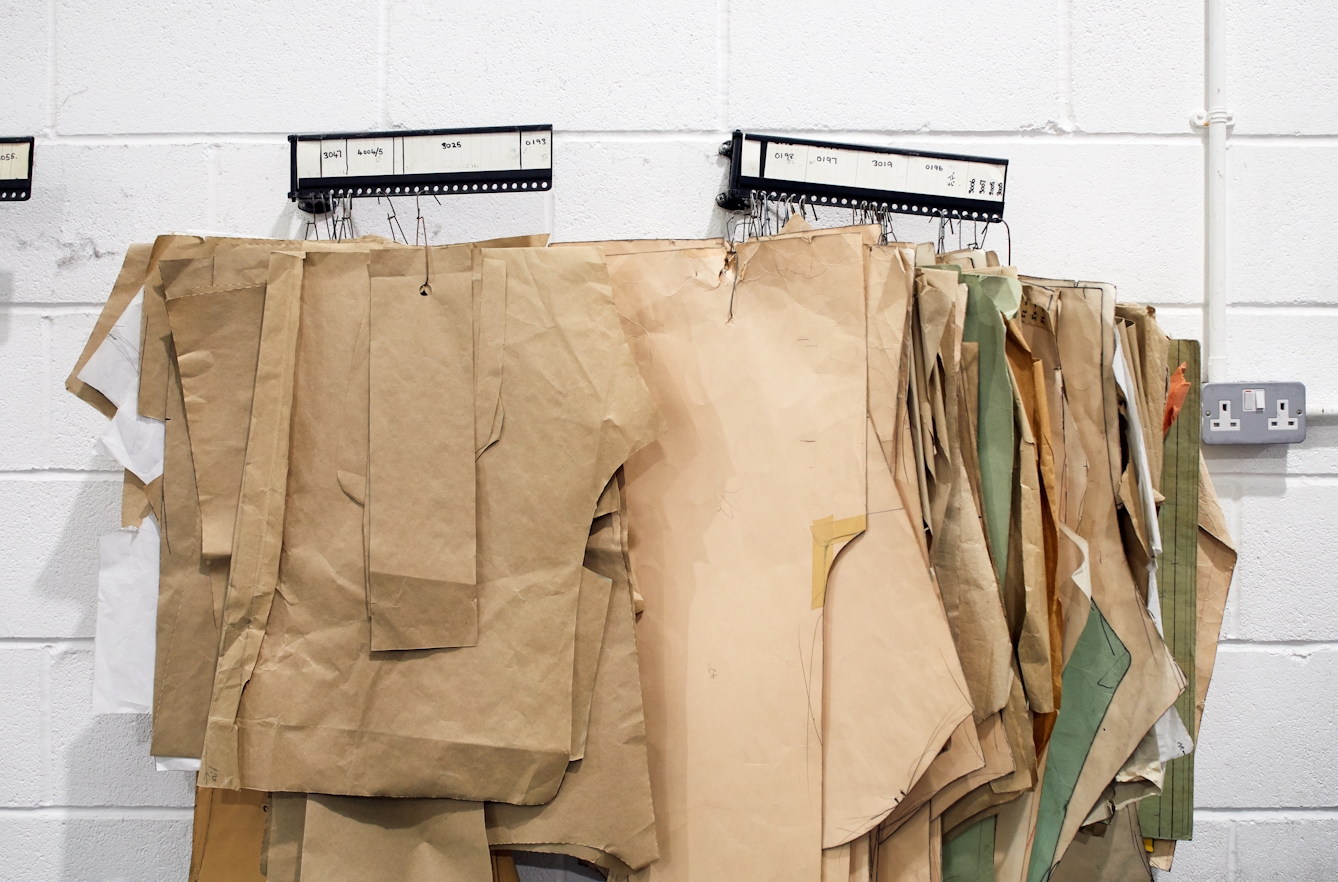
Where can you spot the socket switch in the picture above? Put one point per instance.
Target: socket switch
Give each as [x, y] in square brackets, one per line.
[1253, 413]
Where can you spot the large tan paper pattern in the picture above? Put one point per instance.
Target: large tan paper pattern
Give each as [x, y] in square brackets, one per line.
[766, 423]
[322, 712]
[885, 630]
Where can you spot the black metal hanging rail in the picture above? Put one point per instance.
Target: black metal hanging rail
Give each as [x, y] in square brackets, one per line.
[860, 176]
[426, 162]
[16, 169]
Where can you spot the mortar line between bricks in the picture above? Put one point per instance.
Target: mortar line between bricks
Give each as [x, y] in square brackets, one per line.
[99, 813]
[53, 642]
[1245, 645]
[1314, 479]
[49, 309]
[1327, 813]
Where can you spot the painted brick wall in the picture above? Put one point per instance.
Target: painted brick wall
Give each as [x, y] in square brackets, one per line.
[158, 115]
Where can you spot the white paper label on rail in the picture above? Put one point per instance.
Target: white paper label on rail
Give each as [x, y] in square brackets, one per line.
[882, 171]
[308, 159]
[334, 159]
[444, 154]
[425, 154]
[14, 161]
[536, 149]
[787, 162]
[373, 156]
[751, 163]
[870, 170]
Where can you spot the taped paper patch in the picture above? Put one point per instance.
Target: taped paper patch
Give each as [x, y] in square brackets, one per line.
[829, 536]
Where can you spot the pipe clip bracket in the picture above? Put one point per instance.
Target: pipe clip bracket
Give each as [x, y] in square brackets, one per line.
[1204, 118]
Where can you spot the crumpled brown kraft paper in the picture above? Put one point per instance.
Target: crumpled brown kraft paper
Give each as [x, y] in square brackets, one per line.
[154, 350]
[417, 840]
[259, 534]
[1026, 578]
[514, 750]
[1115, 853]
[186, 647]
[421, 511]
[603, 810]
[766, 414]
[129, 282]
[604, 804]
[216, 333]
[592, 611]
[283, 837]
[190, 605]
[228, 833]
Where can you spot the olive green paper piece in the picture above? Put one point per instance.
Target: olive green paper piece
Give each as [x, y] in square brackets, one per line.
[1170, 815]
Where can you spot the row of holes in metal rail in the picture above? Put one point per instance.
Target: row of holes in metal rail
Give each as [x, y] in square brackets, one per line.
[425, 190]
[875, 206]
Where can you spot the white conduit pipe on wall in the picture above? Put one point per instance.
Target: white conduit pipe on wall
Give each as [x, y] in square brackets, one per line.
[1216, 118]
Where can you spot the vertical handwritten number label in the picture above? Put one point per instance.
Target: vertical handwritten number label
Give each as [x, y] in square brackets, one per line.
[787, 162]
[536, 150]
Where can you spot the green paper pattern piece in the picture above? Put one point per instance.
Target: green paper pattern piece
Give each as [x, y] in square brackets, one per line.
[969, 856]
[1098, 664]
[994, 415]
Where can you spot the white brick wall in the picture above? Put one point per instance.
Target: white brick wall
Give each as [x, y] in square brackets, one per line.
[156, 115]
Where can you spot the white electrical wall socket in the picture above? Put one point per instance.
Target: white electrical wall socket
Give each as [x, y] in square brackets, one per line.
[1253, 413]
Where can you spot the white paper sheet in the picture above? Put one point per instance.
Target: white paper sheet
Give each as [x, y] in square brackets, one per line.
[177, 763]
[123, 647]
[134, 441]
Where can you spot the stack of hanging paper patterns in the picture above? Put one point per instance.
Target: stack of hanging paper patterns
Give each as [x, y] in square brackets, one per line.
[808, 558]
